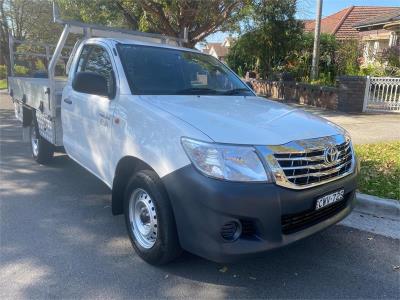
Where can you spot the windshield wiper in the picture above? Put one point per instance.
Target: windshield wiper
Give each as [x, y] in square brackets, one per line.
[196, 91]
[237, 91]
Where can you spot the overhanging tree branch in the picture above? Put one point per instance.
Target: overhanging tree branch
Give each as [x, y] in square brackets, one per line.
[205, 30]
[157, 10]
[133, 22]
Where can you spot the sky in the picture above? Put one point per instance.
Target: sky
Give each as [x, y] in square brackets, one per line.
[306, 10]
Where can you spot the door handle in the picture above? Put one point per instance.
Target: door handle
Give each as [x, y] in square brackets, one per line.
[66, 100]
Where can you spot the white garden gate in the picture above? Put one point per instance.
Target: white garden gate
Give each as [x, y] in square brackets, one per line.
[382, 94]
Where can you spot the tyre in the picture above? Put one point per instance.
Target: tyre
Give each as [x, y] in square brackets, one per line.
[42, 150]
[149, 219]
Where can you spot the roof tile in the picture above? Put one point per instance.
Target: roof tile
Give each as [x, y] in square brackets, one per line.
[341, 23]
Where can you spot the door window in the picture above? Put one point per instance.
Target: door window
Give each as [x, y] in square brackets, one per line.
[96, 59]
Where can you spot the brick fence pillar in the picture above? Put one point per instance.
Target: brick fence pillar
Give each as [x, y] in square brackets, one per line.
[351, 93]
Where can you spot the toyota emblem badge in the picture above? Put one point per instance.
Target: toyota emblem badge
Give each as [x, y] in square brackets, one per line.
[331, 155]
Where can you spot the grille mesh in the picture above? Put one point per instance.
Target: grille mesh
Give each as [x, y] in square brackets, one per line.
[308, 167]
[296, 222]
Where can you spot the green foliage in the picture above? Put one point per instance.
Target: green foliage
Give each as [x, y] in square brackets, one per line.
[29, 19]
[296, 60]
[392, 56]
[39, 65]
[389, 61]
[242, 56]
[325, 79]
[26, 20]
[347, 57]
[336, 58]
[382, 69]
[259, 49]
[21, 70]
[3, 71]
[274, 43]
[299, 59]
[169, 17]
[102, 12]
[32, 19]
[380, 169]
[372, 69]
[3, 84]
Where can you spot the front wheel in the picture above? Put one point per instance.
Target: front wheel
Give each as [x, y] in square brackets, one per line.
[150, 220]
[42, 150]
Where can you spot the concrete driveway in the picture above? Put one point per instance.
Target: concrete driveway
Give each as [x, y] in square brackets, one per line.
[364, 128]
[58, 239]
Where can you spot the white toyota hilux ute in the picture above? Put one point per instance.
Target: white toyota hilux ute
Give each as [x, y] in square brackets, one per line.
[195, 160]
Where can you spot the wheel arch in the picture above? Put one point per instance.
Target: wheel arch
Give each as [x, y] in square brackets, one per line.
[126, 166]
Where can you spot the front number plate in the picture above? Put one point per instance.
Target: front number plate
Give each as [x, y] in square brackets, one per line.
[329, 199]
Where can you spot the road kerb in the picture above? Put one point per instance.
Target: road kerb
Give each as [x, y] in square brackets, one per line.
[381, 207]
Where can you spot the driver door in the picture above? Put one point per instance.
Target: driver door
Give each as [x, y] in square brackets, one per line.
[88, 131]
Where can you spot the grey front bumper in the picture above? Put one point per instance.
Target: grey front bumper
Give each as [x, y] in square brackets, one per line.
[203, 205]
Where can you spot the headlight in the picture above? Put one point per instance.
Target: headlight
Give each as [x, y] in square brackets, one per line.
[234, 163]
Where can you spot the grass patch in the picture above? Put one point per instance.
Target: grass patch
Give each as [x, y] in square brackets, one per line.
[3, 84]
[380, 169]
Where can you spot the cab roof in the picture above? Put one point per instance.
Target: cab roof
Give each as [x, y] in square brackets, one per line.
[142, 43]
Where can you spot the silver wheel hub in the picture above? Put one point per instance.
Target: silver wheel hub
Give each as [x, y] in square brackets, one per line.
[34, 142]
[143, 218]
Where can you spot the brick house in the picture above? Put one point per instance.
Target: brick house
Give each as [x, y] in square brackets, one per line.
[341, 24]
[379, 33]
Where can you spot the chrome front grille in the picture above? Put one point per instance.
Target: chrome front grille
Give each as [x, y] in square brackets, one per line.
[307, 163]
[310, 167]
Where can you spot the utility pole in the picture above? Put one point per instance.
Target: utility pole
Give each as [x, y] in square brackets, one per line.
[317, 32]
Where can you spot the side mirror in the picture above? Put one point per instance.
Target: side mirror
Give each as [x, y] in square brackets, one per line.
[90, 83]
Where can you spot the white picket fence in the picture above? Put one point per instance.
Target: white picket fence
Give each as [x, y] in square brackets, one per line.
[382, 94]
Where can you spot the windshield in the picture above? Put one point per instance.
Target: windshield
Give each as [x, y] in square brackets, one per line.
[162, 71]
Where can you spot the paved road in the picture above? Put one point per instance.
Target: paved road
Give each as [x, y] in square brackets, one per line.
[363, 128]
[58, 239]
